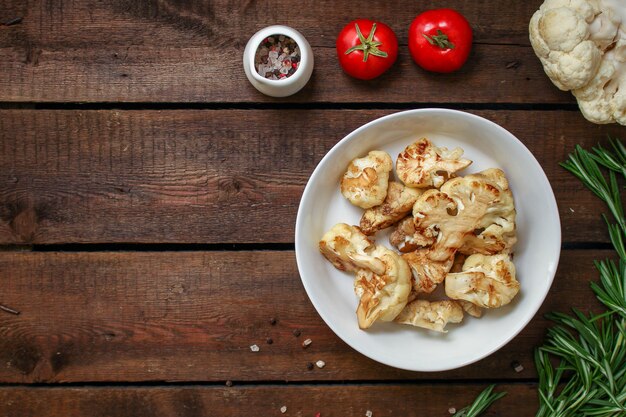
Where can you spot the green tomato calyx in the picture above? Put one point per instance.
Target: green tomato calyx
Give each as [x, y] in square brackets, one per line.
[440, 40]
[368, 46]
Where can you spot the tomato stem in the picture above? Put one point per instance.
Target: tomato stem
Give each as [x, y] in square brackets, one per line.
[440, 40]
[368, 46]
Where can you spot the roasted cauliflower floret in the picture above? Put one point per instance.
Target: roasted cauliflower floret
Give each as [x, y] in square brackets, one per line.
[470, 308]
[486, 281]
[382, 295]
[398, 203]
[473, 214]
[426, 273]
[432, 211]
[349, 250]
[433, 315]
[404, 237]
[423, 164]
[366, 180]
[495, 230]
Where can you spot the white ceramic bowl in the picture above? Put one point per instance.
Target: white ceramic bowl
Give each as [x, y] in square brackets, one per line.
[286, 86]
[536, 253]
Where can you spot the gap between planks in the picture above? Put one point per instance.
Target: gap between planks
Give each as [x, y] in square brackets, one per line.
[211, 247]
[285, 105]
[269, 383]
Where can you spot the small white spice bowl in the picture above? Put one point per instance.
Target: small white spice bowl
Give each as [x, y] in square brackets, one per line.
[286, 86]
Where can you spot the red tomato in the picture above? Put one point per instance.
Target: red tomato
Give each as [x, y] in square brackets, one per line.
[366, 49]
[440, 40]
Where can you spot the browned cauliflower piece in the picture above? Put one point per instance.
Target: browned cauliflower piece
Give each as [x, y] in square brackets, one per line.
[366, 180]
[426, 273]
[349, 250]
[433, 315]
[398, 203]
[486, 281]
[382, 295]
[472, 214]
[412, 296]
[404, 237]
[423, 164]
[495, 231]
[470, 308]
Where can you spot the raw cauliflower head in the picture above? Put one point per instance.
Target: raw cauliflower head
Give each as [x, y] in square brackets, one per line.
[582, 46]
[349, 250]
[382, 295]
[486, 281]
[433, 315]
[398, 203]
[471, 214]
[423, 164]
[366, 180]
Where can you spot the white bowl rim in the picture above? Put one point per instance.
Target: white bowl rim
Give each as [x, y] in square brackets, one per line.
[356, 132]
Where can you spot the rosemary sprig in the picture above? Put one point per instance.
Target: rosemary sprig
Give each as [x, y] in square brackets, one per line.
[585, 167]
[614, 161]
[481, 403]
[591, 350]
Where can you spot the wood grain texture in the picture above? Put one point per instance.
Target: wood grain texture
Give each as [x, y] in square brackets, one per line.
[215, 176]
[165, 51]
[192, 316]
[305, 401]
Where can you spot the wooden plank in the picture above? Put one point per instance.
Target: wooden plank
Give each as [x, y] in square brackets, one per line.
[96, 51]
[215, 176]
[323, 401]
[198, 23]
[192, 316]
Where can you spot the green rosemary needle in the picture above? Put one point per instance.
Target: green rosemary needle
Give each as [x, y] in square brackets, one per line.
[481, 403]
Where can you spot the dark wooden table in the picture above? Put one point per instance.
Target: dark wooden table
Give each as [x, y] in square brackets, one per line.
[148, 197]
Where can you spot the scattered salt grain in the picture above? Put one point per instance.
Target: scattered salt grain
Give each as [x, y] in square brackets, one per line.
[307, 343]
[452, 410]
[519, 368]
[283, 409]
[369, 413]
[320, 364]
[254, 348]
